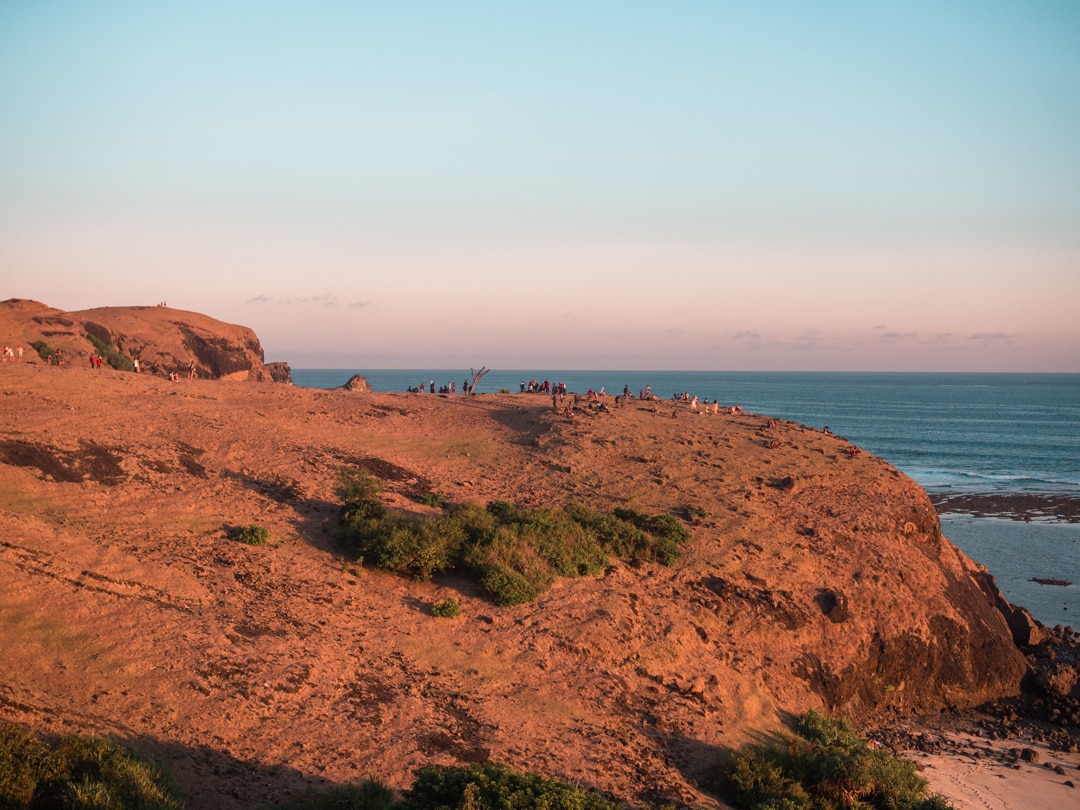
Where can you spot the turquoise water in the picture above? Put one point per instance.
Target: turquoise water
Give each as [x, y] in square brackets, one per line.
[972, 433]
[1017, 553]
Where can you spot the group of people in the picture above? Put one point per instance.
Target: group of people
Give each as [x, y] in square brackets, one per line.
[546, 387]
[13, 355]
[429, 388]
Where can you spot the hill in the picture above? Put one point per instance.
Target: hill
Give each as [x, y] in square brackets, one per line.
[163, 340]
[815, 577]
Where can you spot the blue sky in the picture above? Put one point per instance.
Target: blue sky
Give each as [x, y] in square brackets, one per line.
[690, 185]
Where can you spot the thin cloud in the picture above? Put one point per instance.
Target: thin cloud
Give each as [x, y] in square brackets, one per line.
[359, 304]
[993, 336]
[326, 300]
[893, 337]
[938, 338]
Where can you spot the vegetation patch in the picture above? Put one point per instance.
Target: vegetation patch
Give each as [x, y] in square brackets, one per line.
[44, 350]
[492, 786]
[514, 553]
[78, 772]
[827, 766]
[112, 355]
[434, 499]
[252, 535]
[447, 608]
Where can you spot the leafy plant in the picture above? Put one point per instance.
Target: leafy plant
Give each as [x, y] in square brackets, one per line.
[252, 535]
[447, 608]
[121, 362]
[493, 786]
[44, 350]
[371, 794]
[826, 766]
[514, 553]
[78, 772]
[435, 499]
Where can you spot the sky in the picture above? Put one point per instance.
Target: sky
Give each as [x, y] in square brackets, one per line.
[564, 185]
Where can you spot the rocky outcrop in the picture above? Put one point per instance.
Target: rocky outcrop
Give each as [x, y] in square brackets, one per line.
[163, 340]
[357, 382]
[279, 372]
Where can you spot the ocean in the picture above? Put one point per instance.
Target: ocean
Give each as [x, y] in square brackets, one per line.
[980, 444]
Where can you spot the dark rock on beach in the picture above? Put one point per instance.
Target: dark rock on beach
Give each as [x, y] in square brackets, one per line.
[1012, 506]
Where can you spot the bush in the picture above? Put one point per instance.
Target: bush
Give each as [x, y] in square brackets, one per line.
[79, 772]
[44, 350]
[358, 486]
[435, 499]
[447, 608]
[24, 761]
[112, 355]
[252, 535]
[494, 786]
[826, 766]
[370, 794]
[514, 553]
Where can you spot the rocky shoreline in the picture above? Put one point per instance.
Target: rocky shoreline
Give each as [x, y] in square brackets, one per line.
[1011, 506]
[1015, 752]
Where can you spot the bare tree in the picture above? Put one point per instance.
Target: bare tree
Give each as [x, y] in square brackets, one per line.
[476, 375]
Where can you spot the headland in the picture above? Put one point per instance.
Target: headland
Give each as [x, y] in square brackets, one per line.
[815, 577]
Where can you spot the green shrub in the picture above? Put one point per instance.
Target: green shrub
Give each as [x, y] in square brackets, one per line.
[493, 786]
[370, 794]
[78, 772]
[435, 499]
[358, 486]
[24, 762]
[826, 766]
[515, 553]
[44, 350]
[252, 535]
[112, 355]
[448, 608]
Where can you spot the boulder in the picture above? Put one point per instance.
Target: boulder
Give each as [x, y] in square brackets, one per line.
[357, 382]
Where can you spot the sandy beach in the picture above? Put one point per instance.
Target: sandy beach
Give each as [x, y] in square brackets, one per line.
[975, 772]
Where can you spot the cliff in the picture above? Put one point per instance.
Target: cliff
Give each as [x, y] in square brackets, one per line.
[815, 577]
[163, 340]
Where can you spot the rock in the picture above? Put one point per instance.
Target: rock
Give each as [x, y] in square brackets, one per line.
[357, 382]
[834, 605]
[1029, 755]
[1025, 630]
[279, 372]
[1057, 679]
